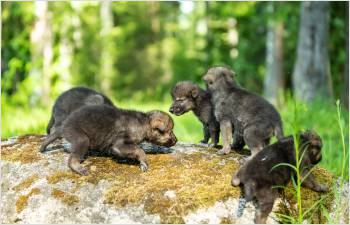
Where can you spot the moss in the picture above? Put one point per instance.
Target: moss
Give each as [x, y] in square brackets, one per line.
[309, 197]
[66, 198]
[28, 151]
[61, 175]
[226, 220]
[26, 183]
[22, 201]
[198, 179]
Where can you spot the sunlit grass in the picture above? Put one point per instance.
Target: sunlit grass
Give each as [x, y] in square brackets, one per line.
[320, 117]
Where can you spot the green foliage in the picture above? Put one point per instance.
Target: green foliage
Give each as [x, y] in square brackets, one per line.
[16, 22]
[155, 44]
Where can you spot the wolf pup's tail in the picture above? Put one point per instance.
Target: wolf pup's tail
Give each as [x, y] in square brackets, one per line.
[51, 138]
[51, 123]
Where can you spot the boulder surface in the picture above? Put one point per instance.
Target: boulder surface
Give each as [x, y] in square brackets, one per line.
[187, 183]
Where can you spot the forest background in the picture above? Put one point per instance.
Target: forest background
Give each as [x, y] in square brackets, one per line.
[134, 52]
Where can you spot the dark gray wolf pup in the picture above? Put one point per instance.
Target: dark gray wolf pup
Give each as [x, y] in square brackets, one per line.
[258, 175]
[254, 117]
[72, 100]
[116, 131]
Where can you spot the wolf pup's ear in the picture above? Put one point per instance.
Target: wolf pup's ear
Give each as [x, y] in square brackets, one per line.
[157, 120]
[311, 137]
[158, 124]
[229, 76]
[194, 92]
[229, 73]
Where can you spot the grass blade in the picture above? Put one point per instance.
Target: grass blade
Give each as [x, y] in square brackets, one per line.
[283, 164]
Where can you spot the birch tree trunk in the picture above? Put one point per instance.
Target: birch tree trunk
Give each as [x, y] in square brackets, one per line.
[274, 79]
[108, 48]
[209, 44]
[311, 75]
[41, 50]
[65, 55]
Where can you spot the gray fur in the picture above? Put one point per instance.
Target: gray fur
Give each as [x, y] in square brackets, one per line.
[71, 100]
[255, 119]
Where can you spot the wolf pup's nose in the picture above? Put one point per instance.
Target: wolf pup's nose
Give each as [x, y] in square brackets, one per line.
[171, 110]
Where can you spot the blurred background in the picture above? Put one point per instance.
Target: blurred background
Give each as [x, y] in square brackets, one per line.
[134, 52]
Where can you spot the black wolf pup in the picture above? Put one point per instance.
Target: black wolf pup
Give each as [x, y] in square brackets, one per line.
[260, 174]
[71, 100]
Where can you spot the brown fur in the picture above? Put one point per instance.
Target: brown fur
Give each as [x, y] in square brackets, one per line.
[188, 96]
[117, 131]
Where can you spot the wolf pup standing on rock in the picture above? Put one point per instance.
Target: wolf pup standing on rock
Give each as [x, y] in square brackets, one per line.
[258, 175]
[72, 100]
[255, 118]
[116, 131]
[189, 96]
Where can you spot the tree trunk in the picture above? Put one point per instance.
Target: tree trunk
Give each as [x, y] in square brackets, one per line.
[65, 55]
[274, 79]
[210, 42]
[311, 75]
[345, 97]
[108, 48]
[41, 50]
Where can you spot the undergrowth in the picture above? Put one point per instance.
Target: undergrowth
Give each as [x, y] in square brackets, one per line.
[334, 193]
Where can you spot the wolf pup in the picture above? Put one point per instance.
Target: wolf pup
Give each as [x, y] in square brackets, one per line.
[117, 131]
[258, 175]
[72, 100]
[255, 117]
[189, 96]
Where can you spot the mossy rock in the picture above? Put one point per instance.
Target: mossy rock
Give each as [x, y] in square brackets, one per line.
[185, 184]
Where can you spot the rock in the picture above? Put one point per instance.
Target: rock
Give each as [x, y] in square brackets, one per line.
[185, 184]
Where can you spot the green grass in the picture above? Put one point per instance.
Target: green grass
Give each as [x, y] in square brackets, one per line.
[319, 116]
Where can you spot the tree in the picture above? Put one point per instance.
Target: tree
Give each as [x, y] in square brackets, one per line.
[41, 50]
[311, 75]
[274, 78]
[107, 55]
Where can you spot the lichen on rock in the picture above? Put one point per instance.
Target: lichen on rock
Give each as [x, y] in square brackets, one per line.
[65, 197]
[22, 201]
[26, 183]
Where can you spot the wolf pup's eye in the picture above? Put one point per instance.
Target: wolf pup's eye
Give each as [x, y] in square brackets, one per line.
[159, 130]
[210, 82]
